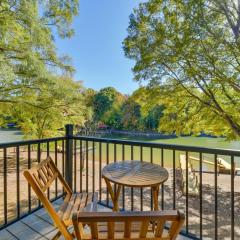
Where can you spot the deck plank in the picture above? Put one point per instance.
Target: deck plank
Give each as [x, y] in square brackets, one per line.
[5, 235]
[38, 225]
[44, 216]
[22, 231]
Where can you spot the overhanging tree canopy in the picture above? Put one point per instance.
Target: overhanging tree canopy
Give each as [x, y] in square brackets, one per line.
[36, 88]
[189, 52]
[27, 50]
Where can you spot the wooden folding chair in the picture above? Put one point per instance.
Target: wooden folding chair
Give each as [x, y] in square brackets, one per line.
[128, 225]
[40, 178]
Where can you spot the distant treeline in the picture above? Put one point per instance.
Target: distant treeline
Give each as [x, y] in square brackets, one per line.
[113, 110]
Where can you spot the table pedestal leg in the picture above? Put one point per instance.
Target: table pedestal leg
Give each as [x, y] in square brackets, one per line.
[114, 196]
[155, 192]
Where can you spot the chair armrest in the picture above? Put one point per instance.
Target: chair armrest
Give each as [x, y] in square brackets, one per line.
[167, 215]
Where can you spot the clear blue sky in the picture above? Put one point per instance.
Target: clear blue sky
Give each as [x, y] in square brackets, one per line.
[96, 48]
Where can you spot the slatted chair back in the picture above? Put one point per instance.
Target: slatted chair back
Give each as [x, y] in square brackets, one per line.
[129, 220]
[45, 173]
[40, 178]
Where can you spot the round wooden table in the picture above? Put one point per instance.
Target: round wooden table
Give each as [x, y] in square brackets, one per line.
[134, 174]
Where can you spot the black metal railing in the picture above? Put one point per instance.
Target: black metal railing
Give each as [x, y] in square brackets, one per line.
[17, 198]
[212, 210]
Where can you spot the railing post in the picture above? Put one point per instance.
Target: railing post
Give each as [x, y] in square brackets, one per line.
[69, 154]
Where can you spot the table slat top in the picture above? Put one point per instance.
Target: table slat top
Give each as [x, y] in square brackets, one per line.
[134, 173]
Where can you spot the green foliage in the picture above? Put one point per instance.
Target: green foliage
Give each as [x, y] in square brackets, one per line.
[89, 94]
[152, 107]
[189, 52]
[151, 121]
[113, 118]
[104, 101]
[136, 112]
[131, 118]
[36, 88]
[27, 49]
[53, 108]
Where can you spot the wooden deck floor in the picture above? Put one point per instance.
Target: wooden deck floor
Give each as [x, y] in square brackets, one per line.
[37, 226]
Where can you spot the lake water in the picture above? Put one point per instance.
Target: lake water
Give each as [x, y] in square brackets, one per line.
[16, 135]
[209, 142]
[9, 135]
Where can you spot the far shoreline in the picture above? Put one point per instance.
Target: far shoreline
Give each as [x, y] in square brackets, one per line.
[203, 140]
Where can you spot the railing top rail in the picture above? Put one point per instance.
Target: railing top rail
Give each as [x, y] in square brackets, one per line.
[178, 147]
[27, 142]
[218, 151]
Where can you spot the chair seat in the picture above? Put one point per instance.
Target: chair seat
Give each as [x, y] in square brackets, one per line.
[83, 202]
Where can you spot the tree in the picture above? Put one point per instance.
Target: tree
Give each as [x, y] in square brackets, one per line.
[89, 94]
[113, 118]
[189, 54]
[151, 121]
[35, 83]
[151, 107]
[131, 115]
[27, 51]
[106, 100]
[53, 108]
